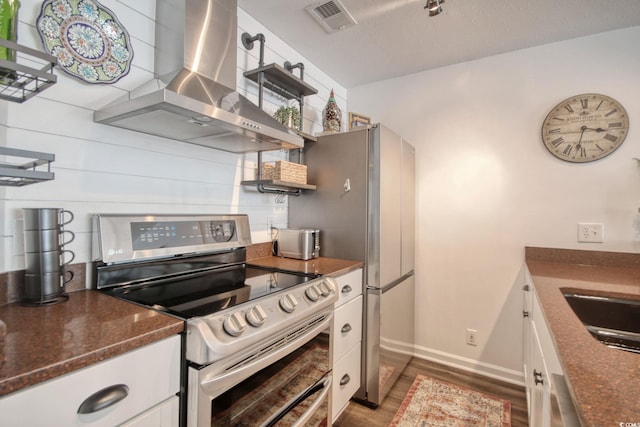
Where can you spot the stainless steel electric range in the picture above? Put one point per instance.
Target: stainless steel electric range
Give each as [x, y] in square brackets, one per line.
[256, 348]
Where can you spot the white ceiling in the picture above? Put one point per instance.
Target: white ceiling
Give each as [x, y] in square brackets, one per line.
[397, 37]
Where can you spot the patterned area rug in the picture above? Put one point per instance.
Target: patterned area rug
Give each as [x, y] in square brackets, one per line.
[430, 402]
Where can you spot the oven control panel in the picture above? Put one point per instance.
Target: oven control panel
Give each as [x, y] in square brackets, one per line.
[126, 238]
[226, 332]
[166, 234]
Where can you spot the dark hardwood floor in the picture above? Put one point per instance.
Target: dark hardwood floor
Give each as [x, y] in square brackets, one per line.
[359, 415]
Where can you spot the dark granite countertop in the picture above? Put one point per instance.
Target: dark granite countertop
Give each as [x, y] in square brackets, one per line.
[603, 381]
[49, 341]
[324, 266]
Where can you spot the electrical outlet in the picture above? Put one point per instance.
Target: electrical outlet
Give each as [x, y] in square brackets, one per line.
[471, 337]
[592, 232]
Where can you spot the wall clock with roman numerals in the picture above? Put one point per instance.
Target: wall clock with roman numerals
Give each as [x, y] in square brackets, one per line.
[585, 128]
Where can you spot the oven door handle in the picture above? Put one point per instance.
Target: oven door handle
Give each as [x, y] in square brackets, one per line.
[214, 384]
[323, 385]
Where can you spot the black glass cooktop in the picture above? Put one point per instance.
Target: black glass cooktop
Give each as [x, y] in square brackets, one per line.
[199, 292]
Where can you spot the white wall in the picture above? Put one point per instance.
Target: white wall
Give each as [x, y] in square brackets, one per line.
[487, 186]
[100, 168]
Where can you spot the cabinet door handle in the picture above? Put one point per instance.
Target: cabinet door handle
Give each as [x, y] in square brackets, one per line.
[346, 328]
[345, 379]
[346, 289]
[537, 377]
[103, 398]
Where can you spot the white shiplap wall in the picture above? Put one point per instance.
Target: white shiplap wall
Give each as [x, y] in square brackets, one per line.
[100, 168]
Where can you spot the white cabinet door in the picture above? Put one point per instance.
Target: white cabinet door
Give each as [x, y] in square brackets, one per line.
[527, 337]
[540, 384]
[151, 375]
[544, 337]
[540, 358]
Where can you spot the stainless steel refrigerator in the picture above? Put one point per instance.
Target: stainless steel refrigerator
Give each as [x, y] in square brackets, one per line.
[364, 207]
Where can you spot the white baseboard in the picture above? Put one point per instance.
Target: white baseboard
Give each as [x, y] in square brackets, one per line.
[397, 346]
[471, 365]
[455, 361]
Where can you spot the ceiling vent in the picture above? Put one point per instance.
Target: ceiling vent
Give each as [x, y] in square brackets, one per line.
[331, 15]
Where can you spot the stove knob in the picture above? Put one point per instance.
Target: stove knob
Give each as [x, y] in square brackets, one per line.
[326, 288]
[234, 325]
[256, 316]
[288, 303]
[313, 293]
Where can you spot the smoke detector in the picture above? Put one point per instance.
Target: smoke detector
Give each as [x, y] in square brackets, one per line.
[331, 15]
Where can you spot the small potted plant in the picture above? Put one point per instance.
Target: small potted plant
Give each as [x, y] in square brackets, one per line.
[288, 116]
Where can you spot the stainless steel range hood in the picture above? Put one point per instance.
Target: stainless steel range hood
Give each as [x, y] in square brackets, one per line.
[191, 99]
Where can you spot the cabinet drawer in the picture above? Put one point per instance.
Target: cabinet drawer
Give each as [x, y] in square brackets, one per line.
[346, 381]
[347, 327]
[349, 286]
[151, 373]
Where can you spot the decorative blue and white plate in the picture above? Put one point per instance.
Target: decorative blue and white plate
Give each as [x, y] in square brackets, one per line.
[86, 37]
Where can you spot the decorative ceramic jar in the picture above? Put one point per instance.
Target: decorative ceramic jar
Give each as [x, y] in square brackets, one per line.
[331, 115]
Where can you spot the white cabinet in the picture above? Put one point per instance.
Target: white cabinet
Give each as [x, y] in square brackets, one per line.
[538, 386]
[347, 341]
[540, 359]
[141, 386]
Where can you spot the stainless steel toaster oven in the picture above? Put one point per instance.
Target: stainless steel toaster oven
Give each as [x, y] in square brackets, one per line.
[299, 243]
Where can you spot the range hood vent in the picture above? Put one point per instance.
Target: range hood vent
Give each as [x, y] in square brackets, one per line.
[331, 15]
[191, 98]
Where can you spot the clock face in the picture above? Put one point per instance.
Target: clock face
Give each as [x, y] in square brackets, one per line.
[585, 128]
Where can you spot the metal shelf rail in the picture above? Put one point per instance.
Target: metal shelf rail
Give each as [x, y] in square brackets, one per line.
[24, 173]
[19, 82]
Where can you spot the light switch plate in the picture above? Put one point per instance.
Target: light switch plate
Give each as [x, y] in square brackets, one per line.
[471, 337]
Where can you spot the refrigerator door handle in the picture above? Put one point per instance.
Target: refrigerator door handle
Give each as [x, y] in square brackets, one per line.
[390, 285]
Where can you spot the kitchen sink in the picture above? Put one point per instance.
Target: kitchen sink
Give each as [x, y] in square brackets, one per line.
[613, 321]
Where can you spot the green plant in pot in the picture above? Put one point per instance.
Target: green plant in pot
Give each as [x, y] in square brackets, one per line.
[288, 116]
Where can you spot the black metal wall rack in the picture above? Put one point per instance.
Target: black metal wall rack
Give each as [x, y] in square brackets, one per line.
[281, 81]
